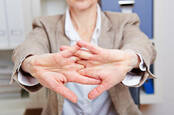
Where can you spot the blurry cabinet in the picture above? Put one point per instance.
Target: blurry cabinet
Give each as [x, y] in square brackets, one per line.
[12, 23]
[15, 22]
[11, 35]
[144, 9]
[48, 7]
[3, 26]
[52, 7]
[110, 5]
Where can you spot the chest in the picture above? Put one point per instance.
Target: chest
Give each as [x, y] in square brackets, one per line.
[106, 39]
[87, 35]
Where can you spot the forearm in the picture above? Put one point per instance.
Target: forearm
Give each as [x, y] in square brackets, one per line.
[36, 43]
[137, 41]
[133, 58]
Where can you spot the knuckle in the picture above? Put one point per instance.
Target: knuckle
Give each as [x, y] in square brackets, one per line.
[53, 88]
[54, 56]
[72, 59]
[62, 47]
[77, 53]
[96, 58]
[51, 85]
[57, 57]
[82, 66]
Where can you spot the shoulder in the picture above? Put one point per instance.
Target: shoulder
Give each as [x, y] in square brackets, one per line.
[122, 18]
[46, 21]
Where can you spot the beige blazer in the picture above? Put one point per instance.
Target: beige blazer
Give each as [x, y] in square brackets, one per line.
[119, 31]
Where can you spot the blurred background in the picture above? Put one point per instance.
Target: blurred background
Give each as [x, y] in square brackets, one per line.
[155, 97]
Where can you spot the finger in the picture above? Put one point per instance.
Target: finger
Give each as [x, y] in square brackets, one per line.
[98, 91]
[87, 63]
[67, 93]
[90, 72]
[54, 81]
[69, 61]
[84, 55]
[62, 48]
[84, 63]
[74, 67]
[90, 47]
[75, 77]
[72, 59]
[70, 52]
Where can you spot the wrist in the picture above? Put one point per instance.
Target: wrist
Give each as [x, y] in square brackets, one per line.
[133, 58]
[26, 64]
[137, 58]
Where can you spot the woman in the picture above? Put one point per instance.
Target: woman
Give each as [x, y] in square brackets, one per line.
[101, 53]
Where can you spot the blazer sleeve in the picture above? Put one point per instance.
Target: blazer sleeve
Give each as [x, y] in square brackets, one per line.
[135, 39]
[36, 43]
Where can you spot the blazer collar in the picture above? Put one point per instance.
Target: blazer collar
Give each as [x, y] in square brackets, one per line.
[105, 40]
[106, 23]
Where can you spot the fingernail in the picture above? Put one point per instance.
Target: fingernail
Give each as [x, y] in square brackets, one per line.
[81, 71]
[98, 81]
[74, 58]
[91, 96]
[75, 100]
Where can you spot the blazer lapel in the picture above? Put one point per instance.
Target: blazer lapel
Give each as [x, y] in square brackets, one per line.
[106, 39]
[61, 38]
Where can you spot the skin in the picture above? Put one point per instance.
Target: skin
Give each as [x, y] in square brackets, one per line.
[56, 69]
[83, 15]
[108, 65]
[95, 66]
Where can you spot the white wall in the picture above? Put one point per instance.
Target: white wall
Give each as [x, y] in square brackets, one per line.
[52, 7]
[164, 38]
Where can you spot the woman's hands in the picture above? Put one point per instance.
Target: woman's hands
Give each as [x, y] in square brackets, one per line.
[53, 70]
[93, 55]
[108, 65]
[92, 65]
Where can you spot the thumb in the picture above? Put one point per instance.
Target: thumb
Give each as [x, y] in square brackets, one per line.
[92, 48]
[65, 92]
[63, 48]
[69, 52]
[98, 91]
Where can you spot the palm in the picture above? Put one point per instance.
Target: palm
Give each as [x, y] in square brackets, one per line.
[109, 74]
